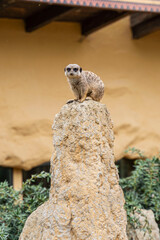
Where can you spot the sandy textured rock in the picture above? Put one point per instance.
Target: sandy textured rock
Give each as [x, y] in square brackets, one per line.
[86, 201]
[136, 234]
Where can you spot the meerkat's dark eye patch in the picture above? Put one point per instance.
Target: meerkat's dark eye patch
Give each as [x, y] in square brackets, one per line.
[75, 69]
[68, 69]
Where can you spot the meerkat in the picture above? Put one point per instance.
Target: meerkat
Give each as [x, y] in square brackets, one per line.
[84, 83]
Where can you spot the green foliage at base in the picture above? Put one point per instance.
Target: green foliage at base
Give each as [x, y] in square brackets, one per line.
[142, 188]
[141, 191]
[14, 211]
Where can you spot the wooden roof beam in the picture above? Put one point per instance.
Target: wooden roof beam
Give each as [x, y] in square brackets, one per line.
[5, 3]
[44, 17]
[143, 24]
[104, 18]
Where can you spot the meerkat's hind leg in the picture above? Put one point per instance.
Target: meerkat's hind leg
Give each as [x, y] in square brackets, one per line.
[95, 96]
[88, 97]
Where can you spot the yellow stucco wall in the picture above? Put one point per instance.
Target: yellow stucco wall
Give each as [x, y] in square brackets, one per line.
[33, 86]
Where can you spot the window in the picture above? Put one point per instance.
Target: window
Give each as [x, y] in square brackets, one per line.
[6, 174]
[125, 167]
[36, 170]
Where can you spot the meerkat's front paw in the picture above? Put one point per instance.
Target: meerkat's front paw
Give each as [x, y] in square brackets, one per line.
[80, 101]
[70, 101]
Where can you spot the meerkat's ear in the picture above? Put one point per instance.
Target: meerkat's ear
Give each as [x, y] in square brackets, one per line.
[64, 69]
[80, 69]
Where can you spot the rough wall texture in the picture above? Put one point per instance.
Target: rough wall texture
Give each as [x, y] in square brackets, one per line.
[86, 201]
[136, 234]
[33, 85]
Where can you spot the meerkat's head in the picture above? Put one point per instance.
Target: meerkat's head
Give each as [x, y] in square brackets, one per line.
[73, 71]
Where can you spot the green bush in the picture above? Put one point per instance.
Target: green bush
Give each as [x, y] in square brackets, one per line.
[14, 211]
[141, 191]
[142, 188]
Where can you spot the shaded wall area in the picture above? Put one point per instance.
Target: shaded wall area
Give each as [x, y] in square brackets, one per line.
[33, 87]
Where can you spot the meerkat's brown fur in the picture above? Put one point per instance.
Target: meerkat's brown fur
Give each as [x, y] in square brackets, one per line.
[84, 83]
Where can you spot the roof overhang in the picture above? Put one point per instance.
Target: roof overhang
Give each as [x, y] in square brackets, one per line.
[137, 5]
[90, 14]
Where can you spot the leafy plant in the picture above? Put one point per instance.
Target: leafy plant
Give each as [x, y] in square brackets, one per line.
[142, 188]
[141, 191]
[14, 211]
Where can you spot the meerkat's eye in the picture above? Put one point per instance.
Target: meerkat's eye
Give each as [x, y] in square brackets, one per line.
[75, 69]
[68, 69]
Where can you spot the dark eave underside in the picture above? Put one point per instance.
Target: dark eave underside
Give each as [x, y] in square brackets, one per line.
[36, 15]
[91, 18]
